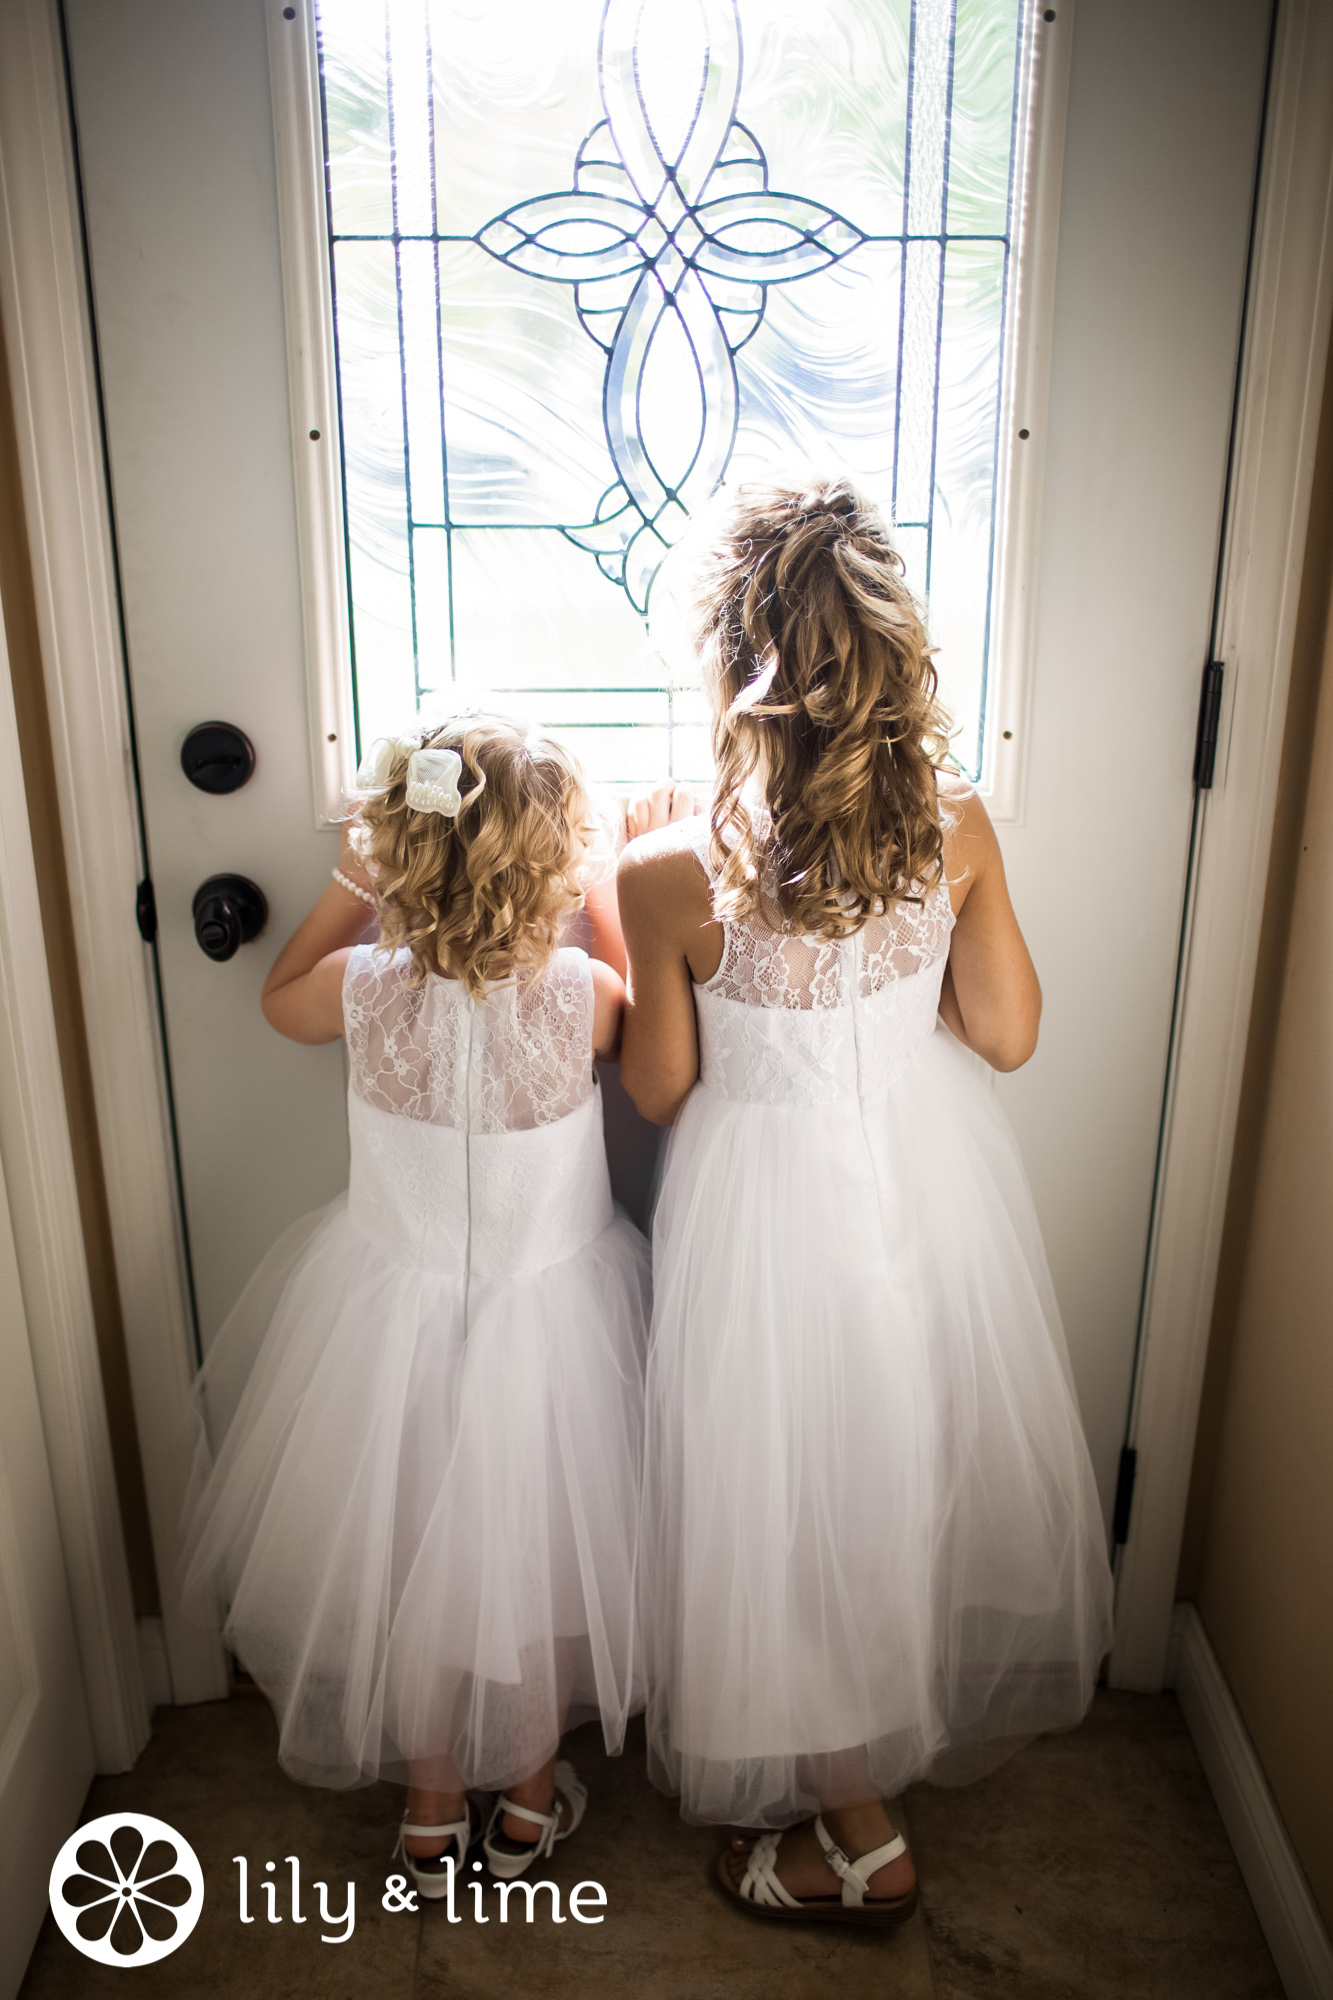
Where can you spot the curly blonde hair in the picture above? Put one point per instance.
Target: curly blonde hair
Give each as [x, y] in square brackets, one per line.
[819, 673]
[481, 897]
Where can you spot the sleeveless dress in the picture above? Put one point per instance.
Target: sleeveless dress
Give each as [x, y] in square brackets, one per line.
[873, 1550]
[419, 1500]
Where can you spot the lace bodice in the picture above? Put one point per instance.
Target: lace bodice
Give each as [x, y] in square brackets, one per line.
[530, 1045]
[476, 1126]
[799, 1020]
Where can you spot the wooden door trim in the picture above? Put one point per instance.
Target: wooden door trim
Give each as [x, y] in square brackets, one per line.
[48, 322]
[49, 1241]
[43, 1210]
[65, 1583]
[1289, 310]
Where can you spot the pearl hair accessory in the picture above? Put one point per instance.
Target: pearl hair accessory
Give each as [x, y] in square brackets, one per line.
[353, 888]
[432, 782]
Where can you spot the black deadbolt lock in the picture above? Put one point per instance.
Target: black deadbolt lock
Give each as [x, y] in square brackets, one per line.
[217, 757]
[229, 911]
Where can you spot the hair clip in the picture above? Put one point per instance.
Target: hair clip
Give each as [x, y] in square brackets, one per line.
[754, 691]
[432, 782]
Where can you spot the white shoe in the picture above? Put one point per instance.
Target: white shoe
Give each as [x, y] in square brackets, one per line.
[429, 1871]
[761, 1891]
[511, 1860]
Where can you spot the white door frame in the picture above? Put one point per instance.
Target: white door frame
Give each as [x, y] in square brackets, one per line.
[43, 1204]
[1286, 351]
[47, 1753]
[44, 299]
[42, 288]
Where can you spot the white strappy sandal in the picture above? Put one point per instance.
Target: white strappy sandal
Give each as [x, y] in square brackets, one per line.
[760, 1890]
[508, 1862]
[428, 1871]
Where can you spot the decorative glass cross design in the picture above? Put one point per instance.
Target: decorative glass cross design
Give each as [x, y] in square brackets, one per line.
[670, 225]
[570, 298]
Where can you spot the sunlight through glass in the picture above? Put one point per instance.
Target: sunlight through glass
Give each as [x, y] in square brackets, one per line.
[592, 261]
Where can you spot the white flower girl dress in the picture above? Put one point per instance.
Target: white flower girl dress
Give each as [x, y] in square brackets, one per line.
[873, 1550]
[425, 1412]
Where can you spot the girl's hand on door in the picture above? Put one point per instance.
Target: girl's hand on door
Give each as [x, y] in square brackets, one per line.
[664, 804]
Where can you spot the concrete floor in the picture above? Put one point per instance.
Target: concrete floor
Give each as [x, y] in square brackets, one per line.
[1093, 1864]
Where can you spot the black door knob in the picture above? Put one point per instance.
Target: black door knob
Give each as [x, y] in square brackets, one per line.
[217, 757]
[229, 911]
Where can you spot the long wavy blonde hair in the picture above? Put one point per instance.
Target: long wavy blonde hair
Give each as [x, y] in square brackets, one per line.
[481, 897]
[819, 674]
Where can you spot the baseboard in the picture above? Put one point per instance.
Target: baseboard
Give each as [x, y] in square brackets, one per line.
[1172, 1667]
[156, 1668]
[1274, 1877]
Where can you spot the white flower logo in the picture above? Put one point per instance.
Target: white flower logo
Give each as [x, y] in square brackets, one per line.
[126, 1889]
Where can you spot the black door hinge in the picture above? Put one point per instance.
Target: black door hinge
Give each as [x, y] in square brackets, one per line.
[1124, 1495]
[145, 910]
[1205, 740]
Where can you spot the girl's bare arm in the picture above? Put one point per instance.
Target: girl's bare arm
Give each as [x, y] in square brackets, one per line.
[665, 908]
[302, 995]
[608, 1012]
[991, 998]
[607, 942]
[639, 814]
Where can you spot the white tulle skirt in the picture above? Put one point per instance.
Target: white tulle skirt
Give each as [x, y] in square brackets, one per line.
[424, 1543]
[873, 1550]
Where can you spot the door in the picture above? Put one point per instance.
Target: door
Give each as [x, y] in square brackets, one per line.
[46, 1752]
[173, 110]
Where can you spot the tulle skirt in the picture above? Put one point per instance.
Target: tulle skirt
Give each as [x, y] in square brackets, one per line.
[873, 1550]
[424, 1537]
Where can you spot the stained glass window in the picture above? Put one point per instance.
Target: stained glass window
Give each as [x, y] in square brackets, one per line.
[592, 259]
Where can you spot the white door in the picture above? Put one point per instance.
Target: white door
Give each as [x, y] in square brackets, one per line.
[173, 110]
[46, 1751]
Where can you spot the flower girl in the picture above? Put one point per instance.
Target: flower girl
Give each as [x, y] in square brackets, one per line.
[872, 1545]
[426, 1409]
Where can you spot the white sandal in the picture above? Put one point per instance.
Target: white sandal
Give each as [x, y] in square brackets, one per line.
[429, 1871]
[760, 1890]
[508, 1862]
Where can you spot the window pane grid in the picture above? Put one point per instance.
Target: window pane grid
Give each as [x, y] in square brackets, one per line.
[577, 370]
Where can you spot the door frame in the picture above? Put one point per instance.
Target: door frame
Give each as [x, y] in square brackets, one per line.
[57, 413]
[40, 1192]
[42, 285]
[1280, 390]
[47, 1750]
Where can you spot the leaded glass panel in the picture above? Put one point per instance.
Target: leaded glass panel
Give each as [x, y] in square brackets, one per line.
[591, 260]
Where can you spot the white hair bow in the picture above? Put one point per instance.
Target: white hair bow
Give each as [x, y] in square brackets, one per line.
[375, 771]
[432, 782]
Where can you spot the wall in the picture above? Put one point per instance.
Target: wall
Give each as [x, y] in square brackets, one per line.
[1258, 1555]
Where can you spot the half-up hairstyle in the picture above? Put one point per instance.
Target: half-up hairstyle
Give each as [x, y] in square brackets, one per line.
[819, 673]
[481, 896]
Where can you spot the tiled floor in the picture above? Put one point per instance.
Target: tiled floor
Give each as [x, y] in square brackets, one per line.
[1092, 1864]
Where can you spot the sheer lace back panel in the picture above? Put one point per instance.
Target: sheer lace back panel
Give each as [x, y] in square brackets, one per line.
[531, 1044]
[799, 1020]
[486, 1109]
